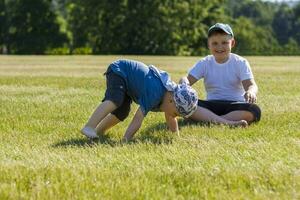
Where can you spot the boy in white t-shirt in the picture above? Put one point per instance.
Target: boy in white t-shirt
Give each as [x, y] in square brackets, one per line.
[228, 80]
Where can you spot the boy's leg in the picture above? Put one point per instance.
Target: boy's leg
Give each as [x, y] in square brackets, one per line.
[242, 111]
[114, 97]
[233, 111]
[99, 114]
[239, 115]
[109, 121]
[203, 114]
[118, 115]
[101, 111]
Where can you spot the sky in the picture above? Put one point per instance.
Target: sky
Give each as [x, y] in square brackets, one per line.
[287, 1]
[282, 0]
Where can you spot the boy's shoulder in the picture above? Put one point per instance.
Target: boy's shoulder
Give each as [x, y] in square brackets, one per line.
[164, 78]
[207, 59]
[237, 58]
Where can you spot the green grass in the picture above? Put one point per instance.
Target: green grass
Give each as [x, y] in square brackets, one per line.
[46, 100]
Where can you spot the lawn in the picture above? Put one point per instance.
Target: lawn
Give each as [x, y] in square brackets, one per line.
[45, 100]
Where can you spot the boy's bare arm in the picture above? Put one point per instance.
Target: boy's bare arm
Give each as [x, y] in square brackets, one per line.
[134, 125]
[251, 90]
[190, 80]
[172, 123]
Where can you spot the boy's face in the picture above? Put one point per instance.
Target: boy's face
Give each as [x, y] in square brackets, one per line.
[220, 46]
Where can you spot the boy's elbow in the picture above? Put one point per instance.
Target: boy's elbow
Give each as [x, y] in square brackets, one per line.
[184, 80]
[191, 79]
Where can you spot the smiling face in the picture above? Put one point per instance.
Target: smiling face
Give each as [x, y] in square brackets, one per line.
[220, 45]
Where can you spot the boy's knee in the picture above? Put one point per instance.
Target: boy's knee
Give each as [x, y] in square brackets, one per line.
[122, 111]
[256, 111]
[121, 114]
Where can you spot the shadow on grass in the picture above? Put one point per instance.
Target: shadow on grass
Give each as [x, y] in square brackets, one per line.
[155, 134]
[189, 122]
[84, 142]
[159, 134]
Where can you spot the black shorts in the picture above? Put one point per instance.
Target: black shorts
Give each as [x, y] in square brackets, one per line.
[224, 107]
[116, 92]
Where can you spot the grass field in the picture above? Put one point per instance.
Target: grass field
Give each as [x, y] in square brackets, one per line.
[46, 100]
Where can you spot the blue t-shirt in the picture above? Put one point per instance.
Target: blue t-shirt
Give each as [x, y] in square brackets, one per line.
[145, 85]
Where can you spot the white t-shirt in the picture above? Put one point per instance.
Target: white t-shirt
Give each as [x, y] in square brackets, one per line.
[223, 81]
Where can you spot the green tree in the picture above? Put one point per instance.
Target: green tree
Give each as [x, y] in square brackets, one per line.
[33, 27]
[78, 25]
[291, 48]
[283, 23]
[260, 12]
[176, 27]
[97, 24]
[3, 24]
[295, 33]
[253, 40]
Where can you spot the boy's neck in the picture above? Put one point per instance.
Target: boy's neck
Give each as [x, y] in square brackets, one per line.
[165, 101]
[222, 60]
[168, 105]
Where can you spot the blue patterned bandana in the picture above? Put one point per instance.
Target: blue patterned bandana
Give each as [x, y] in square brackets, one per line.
[186, 100]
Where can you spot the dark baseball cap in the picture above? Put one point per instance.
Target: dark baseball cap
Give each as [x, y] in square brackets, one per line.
[220, 26]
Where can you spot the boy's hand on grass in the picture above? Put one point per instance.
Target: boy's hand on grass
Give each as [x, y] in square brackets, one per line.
[172, 123]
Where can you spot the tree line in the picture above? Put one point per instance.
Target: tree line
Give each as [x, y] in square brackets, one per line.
[153, 27]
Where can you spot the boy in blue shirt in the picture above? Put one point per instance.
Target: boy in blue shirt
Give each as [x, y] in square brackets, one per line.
[151, 88]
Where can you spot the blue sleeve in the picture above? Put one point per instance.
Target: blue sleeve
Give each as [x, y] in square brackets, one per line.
[143, 109]
[146, 105]
[151, 100]
[152, 94]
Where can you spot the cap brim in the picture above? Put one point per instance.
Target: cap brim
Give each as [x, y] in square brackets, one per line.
[218, 29]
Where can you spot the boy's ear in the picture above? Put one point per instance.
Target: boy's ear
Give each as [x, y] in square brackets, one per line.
[233, 42]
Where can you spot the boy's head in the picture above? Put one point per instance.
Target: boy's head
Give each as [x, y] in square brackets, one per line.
[220, 41]
[220, 28]
[185, 99]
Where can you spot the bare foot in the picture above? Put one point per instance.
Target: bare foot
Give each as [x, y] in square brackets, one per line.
[241, 123]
